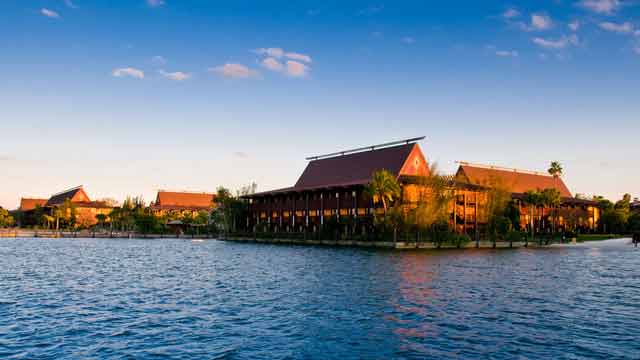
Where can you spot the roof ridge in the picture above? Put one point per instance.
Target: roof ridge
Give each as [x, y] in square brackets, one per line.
[501, 168]
[186, 192]
[365, 149]
[68, 190]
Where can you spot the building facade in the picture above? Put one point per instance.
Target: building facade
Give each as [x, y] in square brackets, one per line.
[174, 204]
[332, 189]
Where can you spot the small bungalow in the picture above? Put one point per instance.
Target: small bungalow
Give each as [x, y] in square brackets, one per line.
[183, 203]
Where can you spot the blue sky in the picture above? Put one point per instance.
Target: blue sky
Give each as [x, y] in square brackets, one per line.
[128, 97]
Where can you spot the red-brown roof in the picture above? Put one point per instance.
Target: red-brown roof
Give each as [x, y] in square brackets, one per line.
[183, 200]
[516, 181]
[30, 204]
[76, 194]
[356, 169]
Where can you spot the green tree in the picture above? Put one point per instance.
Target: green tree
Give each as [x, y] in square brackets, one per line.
[533, 199]
[227, 211]
[6, 220]
[551, 198]
[555, 169]
[102, 220]
[383, 188]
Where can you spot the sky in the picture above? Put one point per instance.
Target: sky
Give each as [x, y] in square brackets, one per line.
[127, 97]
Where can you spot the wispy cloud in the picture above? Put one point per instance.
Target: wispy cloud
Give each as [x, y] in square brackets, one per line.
[371, 10]
[240, 155]
[511, 13]
[297, 69]
[70, 4]
[507, 53]
[299, 57]
[49, 13]
[574, 25]
[636, 49]
[624, 28]
[607, 7]
[158, 60]
[558, 43]
[287, 62]
[541, 22]
[128, 72]
[273, 52]
[155, 3]
[175, 76]
[272, 64]
[233, 71]
[408, 40]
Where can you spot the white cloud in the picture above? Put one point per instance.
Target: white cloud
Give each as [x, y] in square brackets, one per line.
[272, 52]
[234, 71]
[574, 25]
[637, 50]
[158, 60]
[70, 4]
[130, 72]
[601, 6]
[507, 53]
[624, 28]
[511, 13]
[299, 57]
[297, 69]
[272, 64]
[556, 44]
[155, 3]
[49, 13]
[408, 40]
[371, 10]
[175, 76]
[541, 22]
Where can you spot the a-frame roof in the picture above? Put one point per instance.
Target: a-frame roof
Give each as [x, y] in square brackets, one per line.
[517, 181]
[76, 194]
[357, 168]
[186, 200]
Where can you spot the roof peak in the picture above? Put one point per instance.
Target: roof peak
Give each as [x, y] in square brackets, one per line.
[186, 192]
[68, 190]
[366, 149]
[501, 168]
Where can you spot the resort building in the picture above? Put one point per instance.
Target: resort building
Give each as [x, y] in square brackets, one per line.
[584, 214]
[28, 204]
[332, 189]
[180, 204]
[85, 209]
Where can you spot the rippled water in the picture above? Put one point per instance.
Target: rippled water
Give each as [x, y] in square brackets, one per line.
[180, 299]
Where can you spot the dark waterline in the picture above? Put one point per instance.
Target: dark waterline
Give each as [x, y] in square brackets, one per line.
[112, 299]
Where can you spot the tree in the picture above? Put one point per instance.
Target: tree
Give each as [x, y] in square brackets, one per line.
[553, 199]
[533, 199]
[6, 220]
[228, 209]
[383, 188]
[432, 211]
[102, 219]
[498, 199]
[555, 169]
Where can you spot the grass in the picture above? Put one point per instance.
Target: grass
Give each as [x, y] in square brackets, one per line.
[597, 237]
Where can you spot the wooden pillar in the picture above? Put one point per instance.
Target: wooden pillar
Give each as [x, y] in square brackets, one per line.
[455, 215]
[306, 212]
[464, 212]
[321, 208]
[475, 211]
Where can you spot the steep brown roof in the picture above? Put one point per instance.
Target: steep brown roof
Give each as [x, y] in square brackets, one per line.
[356, 169]
[516, 181]
[183, 200]
[30, 204]
[76, 194]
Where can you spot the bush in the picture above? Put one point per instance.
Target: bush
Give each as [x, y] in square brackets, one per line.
[514, 236]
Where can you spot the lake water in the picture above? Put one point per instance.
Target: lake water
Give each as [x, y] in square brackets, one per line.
[113, 299]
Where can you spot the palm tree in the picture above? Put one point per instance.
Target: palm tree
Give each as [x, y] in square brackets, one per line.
[383, 188]
[533, 199]
[102, 219]
[555, 169]
[552, 199]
